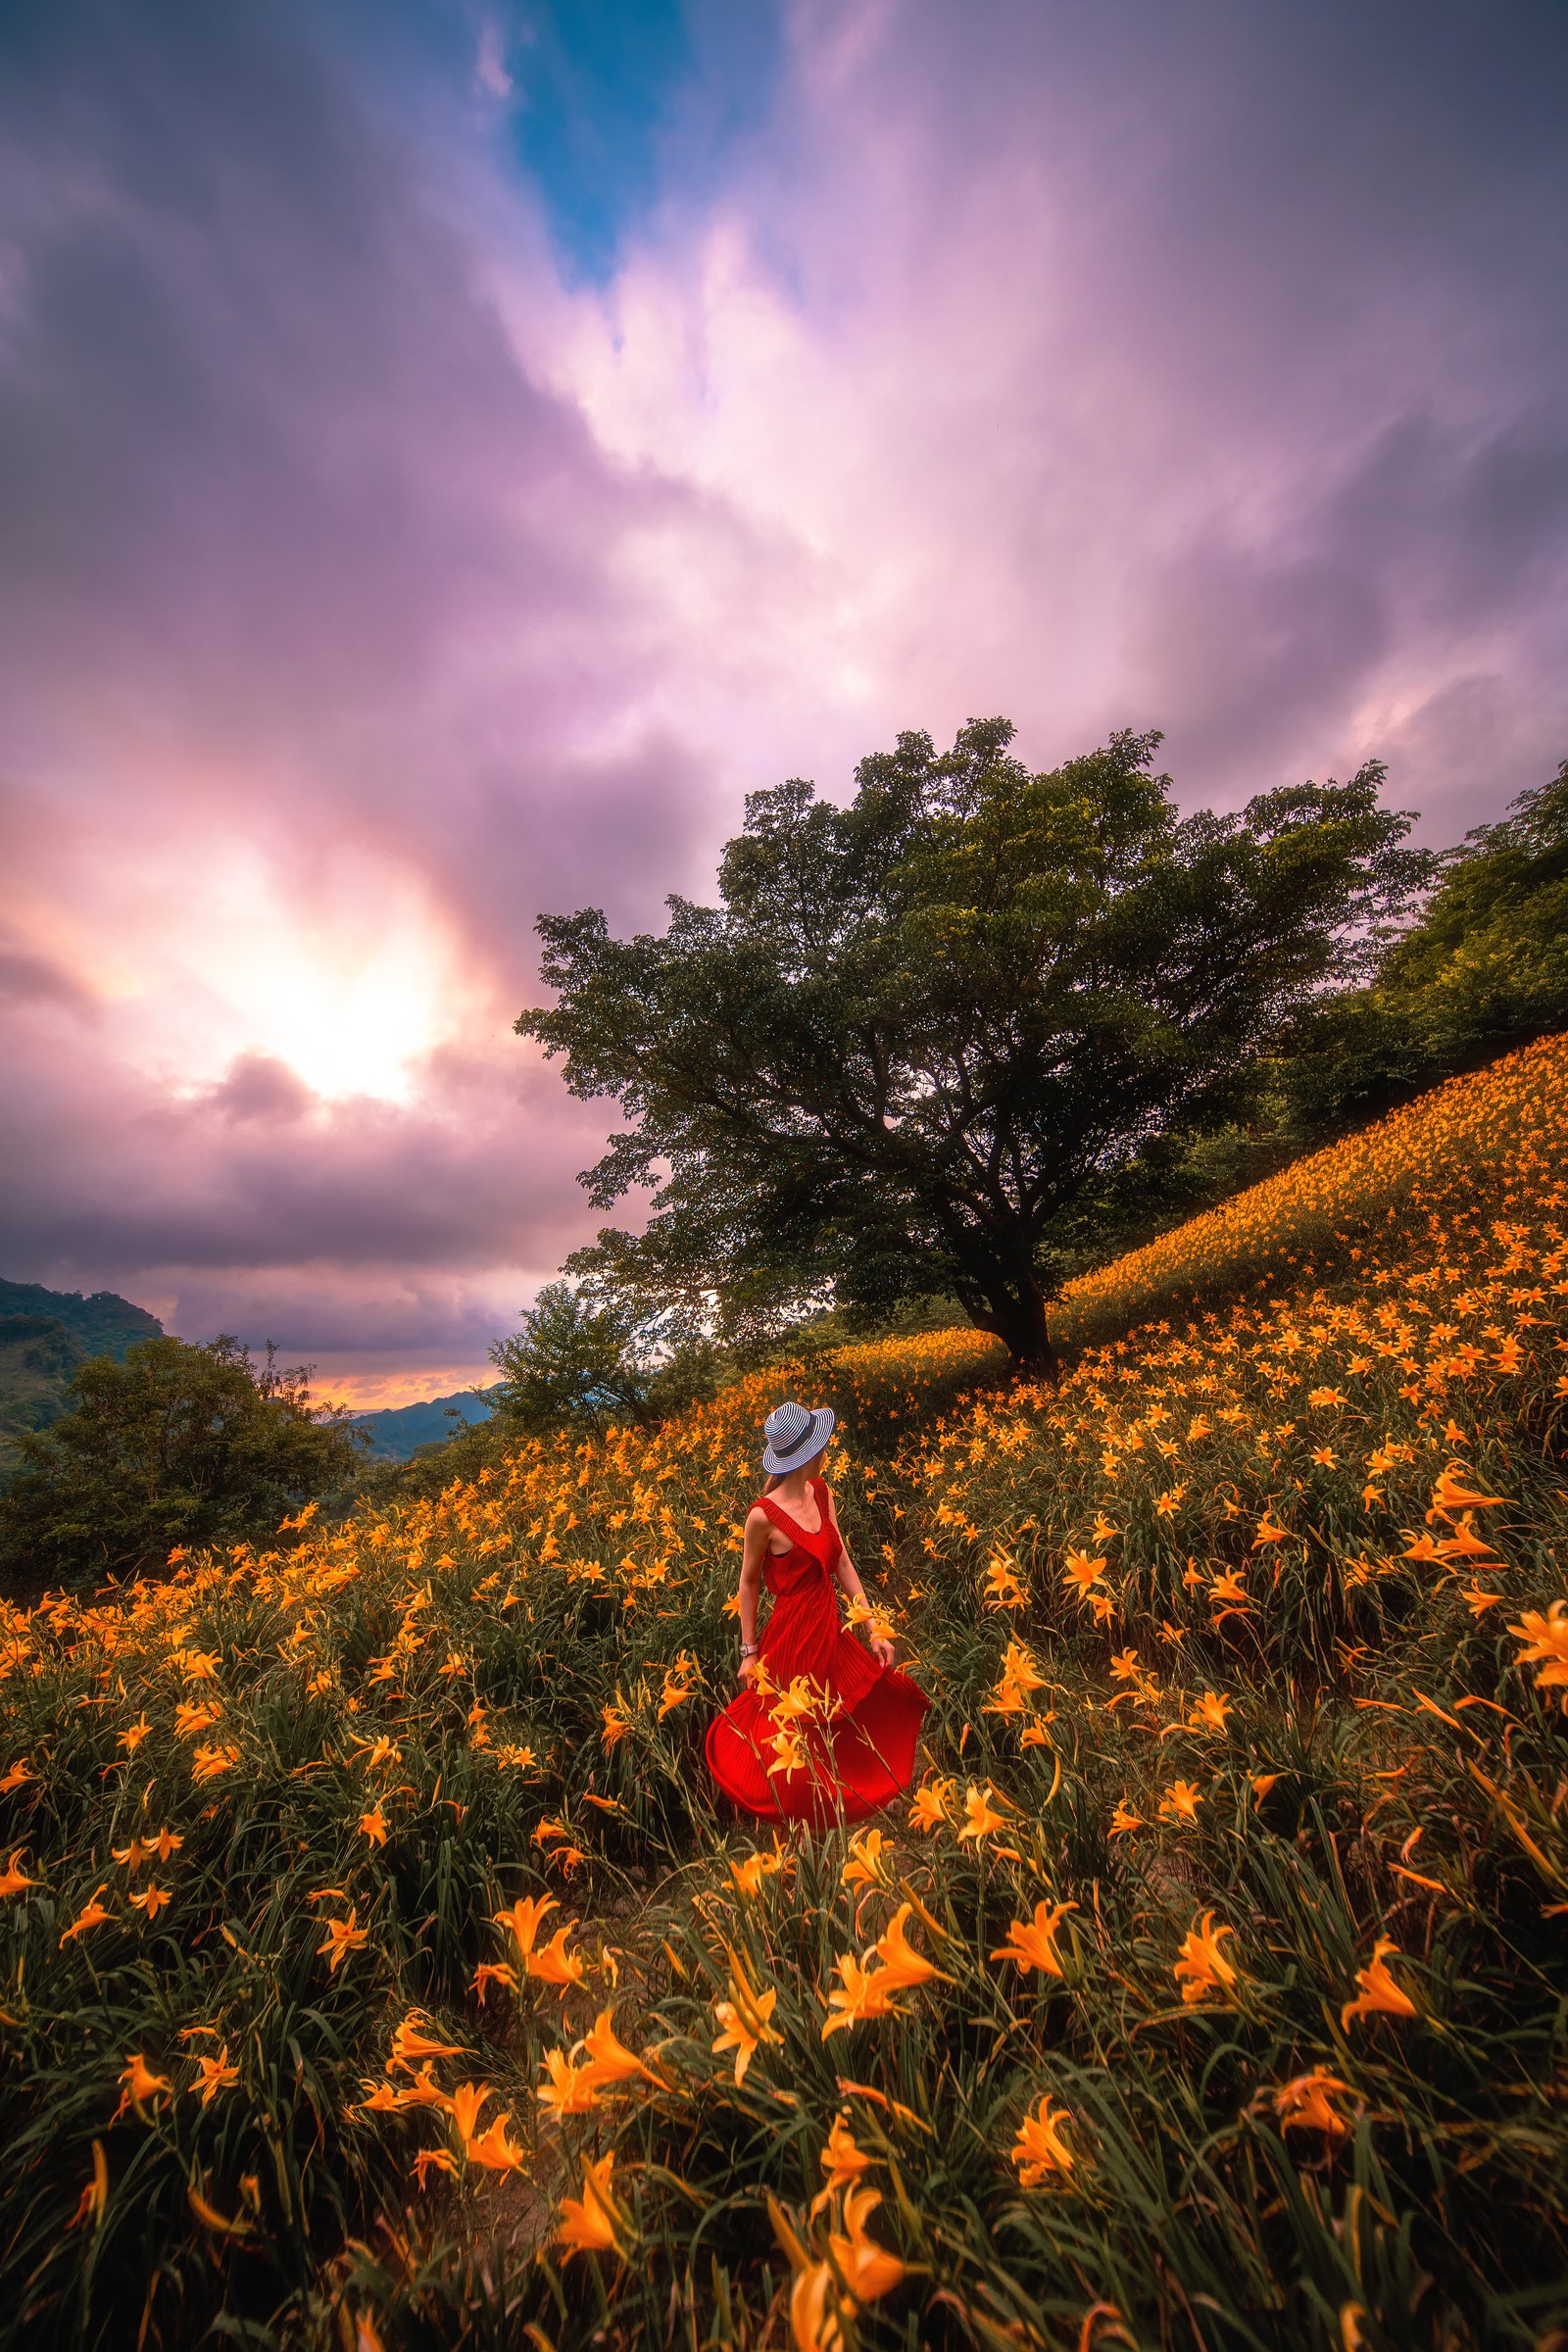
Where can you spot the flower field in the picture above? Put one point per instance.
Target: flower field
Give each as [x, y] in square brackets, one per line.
[379, 1969]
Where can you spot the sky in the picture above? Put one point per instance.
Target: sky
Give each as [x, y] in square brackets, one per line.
[451, 453]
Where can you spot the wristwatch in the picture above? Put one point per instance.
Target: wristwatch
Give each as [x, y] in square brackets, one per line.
[749, 1649]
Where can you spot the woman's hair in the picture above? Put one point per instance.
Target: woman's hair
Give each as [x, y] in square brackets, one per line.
[775, 1477]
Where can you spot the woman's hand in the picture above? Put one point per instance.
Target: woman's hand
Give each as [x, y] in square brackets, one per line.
[882, 1651]
[749, 1667]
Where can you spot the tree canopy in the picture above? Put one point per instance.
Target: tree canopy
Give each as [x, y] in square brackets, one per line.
[584, 1361]
[1486, 967]
[177, 1446]
[921, 1027]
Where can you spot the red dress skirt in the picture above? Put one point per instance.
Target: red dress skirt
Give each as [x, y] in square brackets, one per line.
[854, 1751]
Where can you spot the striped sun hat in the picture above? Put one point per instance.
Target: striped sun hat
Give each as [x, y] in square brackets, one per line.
[793, 1433]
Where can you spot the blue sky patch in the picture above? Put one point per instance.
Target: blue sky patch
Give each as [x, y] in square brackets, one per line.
[614, 101]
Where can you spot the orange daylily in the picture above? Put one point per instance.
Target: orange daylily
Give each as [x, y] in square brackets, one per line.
[980, 1815]
[680, 1681]
[93, 1915]
[14, 1879]
[343, 1936]
[1020, 1676]
[555, 1964]
[864, 1994]
[410, 2041]
[214, 2075]
[1203, 1964]
[750, 1874]
[1001, 1588]
[828, 2291]
[593, 2222]
[524, 1917]
[842, 2161]
[863, 1867]
[372, 1825]
[492, 2150]
[464, 2103]
[902, 1964]
[1040, 2149]
[1035, 1947]
[152, 1900]
[1547, 1645]
[1082, 1572]
[1379, 1994]
[1450, 1494]
[1208, 1713]
[745, 2017]
[140, 2084]
[609, 2060]
[1304, 2105]
[95, 2196]
[1180, 1801]
[490, 1972]
[928, 1807]
[572, 2089]
[1124, 1819]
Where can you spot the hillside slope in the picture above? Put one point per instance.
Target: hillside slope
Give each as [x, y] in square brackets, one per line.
[1210, 1988]
[44, 1335]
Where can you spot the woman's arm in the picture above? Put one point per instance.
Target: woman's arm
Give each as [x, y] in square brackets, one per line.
[850, 1578]
[753, 1550]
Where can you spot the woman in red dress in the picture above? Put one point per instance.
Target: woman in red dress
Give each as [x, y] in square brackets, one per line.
[823, 1727]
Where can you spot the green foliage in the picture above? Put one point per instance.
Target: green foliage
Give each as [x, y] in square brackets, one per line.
[37, 1357]
[587, 1362]
[1486, 967]
[101, 1324]
[177, 1447]
[44, 1335]
[922, 1029]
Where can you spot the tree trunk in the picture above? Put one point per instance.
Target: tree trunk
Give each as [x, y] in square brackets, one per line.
[1017, 1317]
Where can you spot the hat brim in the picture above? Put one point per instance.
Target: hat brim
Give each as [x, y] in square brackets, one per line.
[807, 1445]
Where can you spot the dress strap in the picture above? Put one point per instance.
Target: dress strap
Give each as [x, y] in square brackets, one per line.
[804, 1537]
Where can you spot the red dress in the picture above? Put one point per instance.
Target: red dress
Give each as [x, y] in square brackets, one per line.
[855, 1751]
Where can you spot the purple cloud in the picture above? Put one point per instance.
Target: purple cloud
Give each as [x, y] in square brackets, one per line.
[364, 589]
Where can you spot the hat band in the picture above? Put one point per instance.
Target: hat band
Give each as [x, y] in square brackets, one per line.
[783, 1452]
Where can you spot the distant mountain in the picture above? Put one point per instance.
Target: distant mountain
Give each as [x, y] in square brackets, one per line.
[102, 1324]
[398, 1431]
[44, 1335]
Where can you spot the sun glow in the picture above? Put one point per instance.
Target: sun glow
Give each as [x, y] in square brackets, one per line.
[351, 973]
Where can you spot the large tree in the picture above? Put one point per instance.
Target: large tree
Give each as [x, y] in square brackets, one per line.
[921, 1028]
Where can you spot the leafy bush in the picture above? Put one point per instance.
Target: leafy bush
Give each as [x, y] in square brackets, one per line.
[1486, 966]
[173, 1448]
